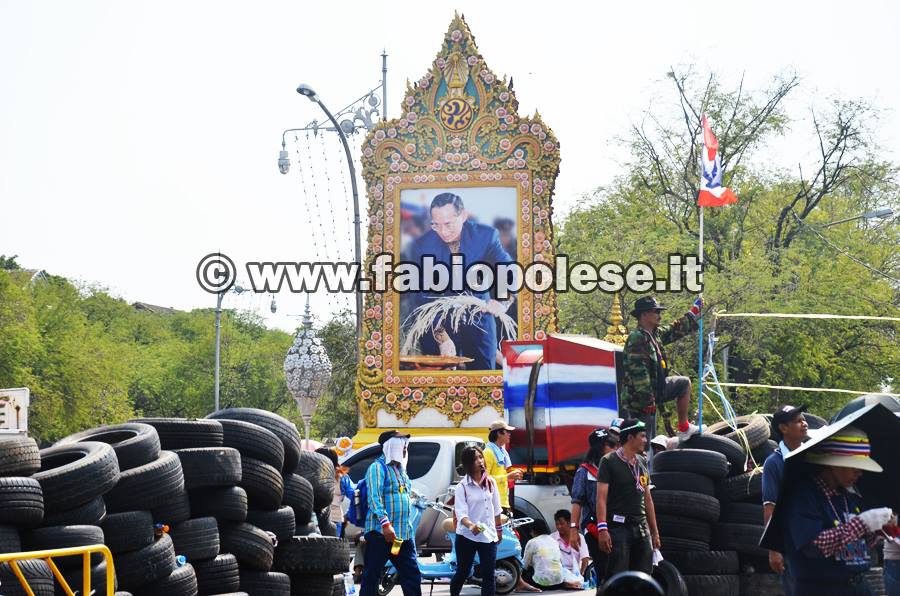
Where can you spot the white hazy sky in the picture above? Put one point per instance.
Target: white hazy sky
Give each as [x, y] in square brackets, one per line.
[136, 137]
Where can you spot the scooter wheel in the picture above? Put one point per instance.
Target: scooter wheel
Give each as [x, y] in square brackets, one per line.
[387, 583]
[506, 576]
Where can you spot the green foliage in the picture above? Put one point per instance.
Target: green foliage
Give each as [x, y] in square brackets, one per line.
[337, 414]
[761, 253]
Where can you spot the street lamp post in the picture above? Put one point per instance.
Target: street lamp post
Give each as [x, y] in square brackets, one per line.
[878, 213]
[307, 370]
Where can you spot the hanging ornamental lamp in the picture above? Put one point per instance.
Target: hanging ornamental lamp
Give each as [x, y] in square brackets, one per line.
[307, 370]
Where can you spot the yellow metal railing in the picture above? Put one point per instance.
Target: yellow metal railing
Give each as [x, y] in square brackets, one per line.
[48, 556]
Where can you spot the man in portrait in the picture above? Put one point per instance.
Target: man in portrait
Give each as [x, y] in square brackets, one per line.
[452, 232]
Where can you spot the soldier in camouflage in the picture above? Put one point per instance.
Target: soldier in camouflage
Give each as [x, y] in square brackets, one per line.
[647, 383]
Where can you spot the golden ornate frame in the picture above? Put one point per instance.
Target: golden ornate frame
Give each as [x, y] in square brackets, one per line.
[460, 127]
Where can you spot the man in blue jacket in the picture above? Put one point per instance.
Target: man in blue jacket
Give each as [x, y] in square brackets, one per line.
[452, 233]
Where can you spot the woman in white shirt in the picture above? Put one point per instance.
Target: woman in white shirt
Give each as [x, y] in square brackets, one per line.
[477, 507]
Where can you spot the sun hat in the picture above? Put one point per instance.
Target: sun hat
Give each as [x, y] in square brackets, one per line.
[847, 448]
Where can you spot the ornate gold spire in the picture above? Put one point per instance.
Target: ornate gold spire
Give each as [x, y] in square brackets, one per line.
[616, 333]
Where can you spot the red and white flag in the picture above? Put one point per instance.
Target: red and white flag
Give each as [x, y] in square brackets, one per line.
[712, 193]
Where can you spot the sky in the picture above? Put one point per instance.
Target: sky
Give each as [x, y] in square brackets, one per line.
[137, 137]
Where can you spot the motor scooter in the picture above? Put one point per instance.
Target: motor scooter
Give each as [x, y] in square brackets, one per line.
[509, 553]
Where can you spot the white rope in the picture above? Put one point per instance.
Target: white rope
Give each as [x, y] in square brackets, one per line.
[775, 315]
[789, 388]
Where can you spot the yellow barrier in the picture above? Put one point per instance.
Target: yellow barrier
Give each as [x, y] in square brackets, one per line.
[48, 555]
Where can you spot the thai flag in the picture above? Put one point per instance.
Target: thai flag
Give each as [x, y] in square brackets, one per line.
[576, 393]
[712, 193]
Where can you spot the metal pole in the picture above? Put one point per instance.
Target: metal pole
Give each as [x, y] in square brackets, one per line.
[218, 336]
[384, 85]
[700, 334]
[306, 420]
[356, 220]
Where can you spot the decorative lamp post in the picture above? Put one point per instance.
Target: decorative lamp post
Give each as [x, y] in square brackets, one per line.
[307, 370]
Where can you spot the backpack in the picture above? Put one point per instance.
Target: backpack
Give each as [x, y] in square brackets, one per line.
[359, 505]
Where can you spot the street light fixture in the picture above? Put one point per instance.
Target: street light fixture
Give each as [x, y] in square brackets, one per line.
[878, 213]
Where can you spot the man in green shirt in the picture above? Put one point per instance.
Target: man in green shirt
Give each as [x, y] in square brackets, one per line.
[626, 517]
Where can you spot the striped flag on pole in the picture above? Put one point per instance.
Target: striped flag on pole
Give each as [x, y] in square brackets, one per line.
[712, 193]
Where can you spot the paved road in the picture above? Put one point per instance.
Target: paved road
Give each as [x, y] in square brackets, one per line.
[444, 590]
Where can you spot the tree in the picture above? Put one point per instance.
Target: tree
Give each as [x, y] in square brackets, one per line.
[337, 414]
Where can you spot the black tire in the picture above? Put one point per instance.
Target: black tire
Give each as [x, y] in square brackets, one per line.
[306, 529]
[319, 470]
[312, 554]
[742, 513]
[713, 585]
[210, 466]
[37, 573]
[699, 461]
[754, 428]
[265, 583]
[251, 546]
[313, 584]
[506, 576]
[743, 486]
[733, 452]
[687, 504]
[252, 440]
[65, 537]
[181, 433]
[743, 538]
[21, 502]
[670, 580]
[298, 495]
[283, 428]
[73, 474]
[281, 522]
[127, 531]
[19, 456]
[75, 579]
[224, 504]
[10, 541]
[670, 545]
[218, 576]
[326, 526]
[174, 510]
[146, 565]
[135, 444]
[181, 582]
[197, 539]
[263, 483]
[714, 562]
[91, 513]
[685, 481]
[145, 487]
[683, 527]
[764, 451]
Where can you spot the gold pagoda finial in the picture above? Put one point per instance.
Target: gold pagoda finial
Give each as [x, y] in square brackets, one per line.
[616, 333]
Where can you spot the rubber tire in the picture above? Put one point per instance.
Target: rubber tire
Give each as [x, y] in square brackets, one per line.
[174, 510]
[326, 526]
[252, 440]
[135, 444]
[197, 539]
[312, 554]
[128, 531]
[733, 452]
[71, 475]
[738, 488]
[684, 481]
[669, 578]
[306, 529]
[74, 577]
[713, 585]
[319, 471]
[210, 466]
[218, 576]
[677, 526]
[252, 547]
[19, 456]
[743, 538]
[298, 495]
[281, 522]
[224, 504]
[754, 427]
[52, 537]
[714, 562]
[10, 541]
[91, 513]
[742, 513]
[507, 567]
[265, 583]
[21, 502]
[687, 504]
[263, 483]
[670, 545]
[37, 573]
[699, 461]
[184, 433]
[761, 453]
[147, 486]
[181, 582]
[283, 428]
[147, 565]
[312, 584]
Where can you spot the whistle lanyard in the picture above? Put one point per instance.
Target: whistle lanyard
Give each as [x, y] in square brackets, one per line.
[838, 519]
[398, 477]
[656, 346]
[633, 468]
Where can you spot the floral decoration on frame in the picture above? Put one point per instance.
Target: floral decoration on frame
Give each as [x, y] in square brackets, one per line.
[459, 128]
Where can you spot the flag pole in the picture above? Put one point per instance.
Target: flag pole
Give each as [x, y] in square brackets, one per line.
[700, 335]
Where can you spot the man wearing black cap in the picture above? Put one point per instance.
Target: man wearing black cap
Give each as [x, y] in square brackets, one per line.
[647, 382]
[792, 426]
[389, 529]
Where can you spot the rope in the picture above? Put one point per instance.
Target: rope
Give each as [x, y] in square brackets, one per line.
[790, 388]
[802, 316]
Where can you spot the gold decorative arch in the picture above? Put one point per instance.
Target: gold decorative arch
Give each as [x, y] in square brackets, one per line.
[460, 127]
